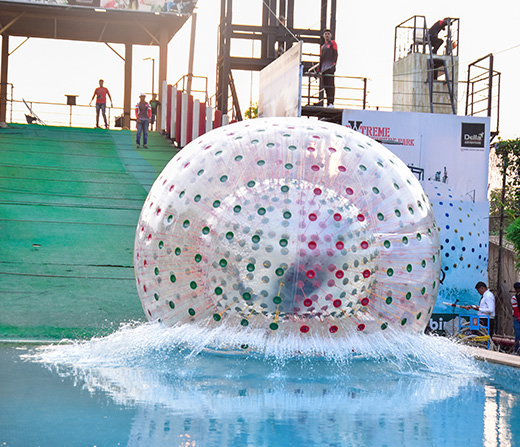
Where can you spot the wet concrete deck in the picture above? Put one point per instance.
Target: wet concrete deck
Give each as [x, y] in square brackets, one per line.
[495, 357]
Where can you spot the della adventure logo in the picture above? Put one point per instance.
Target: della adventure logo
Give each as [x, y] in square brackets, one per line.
[472, 135]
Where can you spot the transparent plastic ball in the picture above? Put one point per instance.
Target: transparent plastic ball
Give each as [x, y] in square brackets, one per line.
[287, 226]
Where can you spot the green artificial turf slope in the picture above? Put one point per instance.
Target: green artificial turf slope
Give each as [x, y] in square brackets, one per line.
[69, 204]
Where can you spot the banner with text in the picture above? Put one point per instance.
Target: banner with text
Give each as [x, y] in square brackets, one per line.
[449, 154]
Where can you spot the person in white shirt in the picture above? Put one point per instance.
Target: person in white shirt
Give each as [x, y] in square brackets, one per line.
[486, 307]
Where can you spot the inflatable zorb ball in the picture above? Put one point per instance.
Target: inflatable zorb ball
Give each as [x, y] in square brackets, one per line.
[289, 227]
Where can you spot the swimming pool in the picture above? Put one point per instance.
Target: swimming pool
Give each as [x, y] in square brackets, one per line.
[139, 387]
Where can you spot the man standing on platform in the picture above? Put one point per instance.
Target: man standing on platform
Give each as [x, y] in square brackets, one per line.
[143, 113]
[100, 94]
[327, 66]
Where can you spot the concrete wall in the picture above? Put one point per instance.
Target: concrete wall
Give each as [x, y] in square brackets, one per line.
[411, 88]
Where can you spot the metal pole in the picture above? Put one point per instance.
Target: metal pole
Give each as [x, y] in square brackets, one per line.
[364, 93]
[490, 85]
[192, 52]
[153, 75]
[163, 64]
[3, 77]
[501, 230]
[128, 86]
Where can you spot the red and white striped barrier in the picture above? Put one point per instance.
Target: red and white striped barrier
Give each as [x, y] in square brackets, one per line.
[185, 119]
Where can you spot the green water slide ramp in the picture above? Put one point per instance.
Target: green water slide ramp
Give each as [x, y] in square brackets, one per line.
[69, 204]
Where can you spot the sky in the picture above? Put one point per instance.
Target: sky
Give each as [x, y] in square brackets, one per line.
[44, 70]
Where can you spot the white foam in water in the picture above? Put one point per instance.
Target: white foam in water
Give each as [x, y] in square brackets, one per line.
[132, 344]
[157, 365]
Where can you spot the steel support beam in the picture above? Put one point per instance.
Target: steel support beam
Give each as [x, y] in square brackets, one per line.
[163, 70]
[3, 78]
[127, 87]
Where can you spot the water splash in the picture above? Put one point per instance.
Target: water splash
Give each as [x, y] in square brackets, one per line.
[170, 375]
[135, 343]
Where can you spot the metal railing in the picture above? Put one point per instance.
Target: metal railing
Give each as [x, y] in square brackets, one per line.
[59, 114]
[351, 91]
[200, 93]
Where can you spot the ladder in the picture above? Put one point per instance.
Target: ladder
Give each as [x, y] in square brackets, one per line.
[435, 64]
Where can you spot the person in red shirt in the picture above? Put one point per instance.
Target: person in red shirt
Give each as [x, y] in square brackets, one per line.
[143, 113]
[516, 314]
[327, 65]
[100, 94]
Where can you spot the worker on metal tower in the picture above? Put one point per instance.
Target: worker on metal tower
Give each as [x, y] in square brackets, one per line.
[434, 31]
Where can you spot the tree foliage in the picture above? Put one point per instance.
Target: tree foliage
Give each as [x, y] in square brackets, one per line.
[252, 112]
[508, 155]
[513, 236]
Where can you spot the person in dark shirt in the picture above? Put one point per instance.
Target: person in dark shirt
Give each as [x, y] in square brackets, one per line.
[434, 31]
[154, 103]
[327, 65]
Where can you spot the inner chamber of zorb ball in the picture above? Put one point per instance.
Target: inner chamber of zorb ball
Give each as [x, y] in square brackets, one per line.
[289, 227]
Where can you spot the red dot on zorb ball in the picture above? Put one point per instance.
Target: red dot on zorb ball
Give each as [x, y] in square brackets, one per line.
[349, 191]
[340, 274]
[364, 245]
[312, 217]
[360, 217]
[366, 273]
[312, 245]
[336, 303]
[361, 327]
[317, 191]
[333, 329]
[340, 245]
[365, 301]
[311, 274]
[337, 217]
[307, 302]
[315, 168]
[304, 328]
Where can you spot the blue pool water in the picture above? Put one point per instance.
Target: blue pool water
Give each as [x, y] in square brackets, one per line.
[142, 387]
